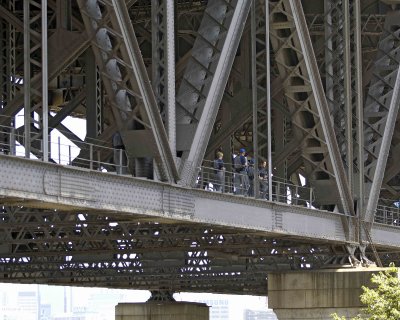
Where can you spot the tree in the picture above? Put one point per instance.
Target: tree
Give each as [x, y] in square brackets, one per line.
[382, 302]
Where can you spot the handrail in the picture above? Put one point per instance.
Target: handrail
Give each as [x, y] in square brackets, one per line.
[115, 160]
[387, 215]
[96, 157]
[230, 182]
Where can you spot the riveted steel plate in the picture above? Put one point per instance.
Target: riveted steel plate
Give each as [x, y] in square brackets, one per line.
[52, 185]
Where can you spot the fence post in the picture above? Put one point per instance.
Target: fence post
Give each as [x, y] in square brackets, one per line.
[98, 161]
[12, 142]
[201, 177]
[256, 187]
[49, 145]
[121, 170]
[91, 156]
[69, 155]
[278, 191]
[223, 181]
[311, 196]
[59, 150]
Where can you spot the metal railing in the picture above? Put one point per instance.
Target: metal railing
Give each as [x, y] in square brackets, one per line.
[94, 156]
[230, 182]
[387, 215]
[72, 153]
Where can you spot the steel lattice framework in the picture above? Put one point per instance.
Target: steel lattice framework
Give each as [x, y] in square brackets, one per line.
[311, 87]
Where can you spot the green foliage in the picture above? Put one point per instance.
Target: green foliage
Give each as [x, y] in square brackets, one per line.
[336, 317]
[382, 302]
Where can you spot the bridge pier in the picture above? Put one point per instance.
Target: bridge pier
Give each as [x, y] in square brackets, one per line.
[162, 310]
[317, 294]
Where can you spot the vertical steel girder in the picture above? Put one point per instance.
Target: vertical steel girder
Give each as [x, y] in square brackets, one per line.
[163, 64]
[261, 87]
[259, 79]
[205, 78]
[5, 81]
[348, 105]
[12, 56]
[4, 53]
[359, 111]
[35, 58]
[124, 75]
[381, 110]
[338, 76]
[27, 79]
[93, 90]
[8, 46]
[306, 97]
[163, 69]
[45, 85]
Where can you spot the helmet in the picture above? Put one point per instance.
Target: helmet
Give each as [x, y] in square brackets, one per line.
[242, 150]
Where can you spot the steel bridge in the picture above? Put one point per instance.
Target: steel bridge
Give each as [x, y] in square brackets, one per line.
[312, 88]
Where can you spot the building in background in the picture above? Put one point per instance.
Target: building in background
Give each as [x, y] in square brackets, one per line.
[259, 315]
[19, 302]
[219, 308]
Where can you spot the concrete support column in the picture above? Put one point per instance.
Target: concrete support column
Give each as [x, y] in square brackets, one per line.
[318, 294]
[160, 310]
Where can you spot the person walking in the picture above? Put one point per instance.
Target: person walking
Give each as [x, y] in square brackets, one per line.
[241, 180]
[219, 172]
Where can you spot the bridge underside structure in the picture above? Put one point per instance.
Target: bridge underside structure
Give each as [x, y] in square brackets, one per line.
[310, 87]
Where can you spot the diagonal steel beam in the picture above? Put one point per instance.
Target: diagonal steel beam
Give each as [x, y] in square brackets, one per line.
[65, 111]
[383, 152]
[148, 97]
[379, 99]
[322, 106]
[191, 160]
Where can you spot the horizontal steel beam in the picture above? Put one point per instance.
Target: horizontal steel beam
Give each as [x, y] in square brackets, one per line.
[52, 186]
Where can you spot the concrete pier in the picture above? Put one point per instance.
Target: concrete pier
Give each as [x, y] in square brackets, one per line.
[318, 294]
[162, 310]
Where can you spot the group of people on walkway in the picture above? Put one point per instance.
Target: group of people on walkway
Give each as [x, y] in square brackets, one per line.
[243, 175]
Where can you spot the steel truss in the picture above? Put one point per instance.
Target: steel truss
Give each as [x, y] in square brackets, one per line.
[101, 57]
[50, 245]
